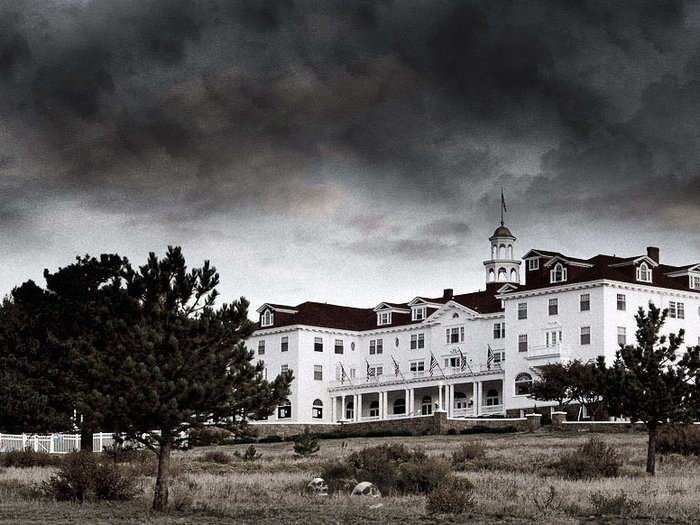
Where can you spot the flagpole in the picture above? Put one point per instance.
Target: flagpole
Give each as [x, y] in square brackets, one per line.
[396, 364]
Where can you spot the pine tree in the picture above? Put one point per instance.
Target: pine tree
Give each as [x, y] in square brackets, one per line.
[649, 382]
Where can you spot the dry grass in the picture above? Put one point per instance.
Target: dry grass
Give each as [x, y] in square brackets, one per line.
[512, 484]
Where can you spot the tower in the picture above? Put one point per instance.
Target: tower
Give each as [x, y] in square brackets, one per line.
[502, 267]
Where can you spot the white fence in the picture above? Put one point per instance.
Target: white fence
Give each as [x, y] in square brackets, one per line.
[50, 443]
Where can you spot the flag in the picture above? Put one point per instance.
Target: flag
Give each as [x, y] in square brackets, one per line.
[371, 372]
[396, 367]
[343, 375]
[503, 201]
[489, 358]
[433, 364]
[462, 360]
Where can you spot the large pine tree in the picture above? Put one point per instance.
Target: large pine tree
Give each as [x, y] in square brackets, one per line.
[146, 353]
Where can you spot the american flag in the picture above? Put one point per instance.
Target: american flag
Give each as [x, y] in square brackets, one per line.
[489, 358]
[433, 364]
[343, 375]
[397, 371]
[371, 372]
[462, 360]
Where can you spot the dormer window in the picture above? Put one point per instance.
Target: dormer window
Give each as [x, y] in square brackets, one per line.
[695, 282]
[419, 313]
[643, 273]
[558, 274]
[533, 264]
[383, 318]
[267, 318]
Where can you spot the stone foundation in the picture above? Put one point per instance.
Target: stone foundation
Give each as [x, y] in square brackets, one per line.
[435, 424]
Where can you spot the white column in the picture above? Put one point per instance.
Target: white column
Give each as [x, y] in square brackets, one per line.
[440, 397]
[359, 407]
[332, 409]
[385, 405]
[481, 395]
[408, 402]
[450, 399]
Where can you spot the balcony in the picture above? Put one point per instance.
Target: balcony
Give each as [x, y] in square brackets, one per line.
[418, 376]
[545, 354]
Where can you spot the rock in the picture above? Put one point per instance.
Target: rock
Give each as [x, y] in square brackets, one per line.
[365, 488]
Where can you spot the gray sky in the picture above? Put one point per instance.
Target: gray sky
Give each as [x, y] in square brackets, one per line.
[347, 152]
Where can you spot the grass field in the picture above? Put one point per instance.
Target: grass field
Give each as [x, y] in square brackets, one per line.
[512, 485]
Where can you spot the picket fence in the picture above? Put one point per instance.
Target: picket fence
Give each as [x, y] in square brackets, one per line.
[50, 443]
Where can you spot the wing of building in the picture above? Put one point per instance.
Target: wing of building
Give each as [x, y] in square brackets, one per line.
[472, 354]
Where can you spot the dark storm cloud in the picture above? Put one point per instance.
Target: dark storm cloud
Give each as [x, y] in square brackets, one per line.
[182, 109]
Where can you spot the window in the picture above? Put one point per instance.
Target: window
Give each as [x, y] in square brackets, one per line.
[554, 307]
[533, 264]
[557, 274]
[419, 313]
[374, 409]
[317, 409]
[383, 318]
[621, 302]
[552, 337]
[455, 335]
[644, 273]
[522, 343]
[374, 371]
[417, 366]
[417, 341]
[284, 368]
[522, 310]
[426, 406]
[318, 344]
[284, 410]
[584, 302]
[499, 357]
[400, 406]
[523, 384]
[621, 335]
[676, 310]
[318, 373]
[585, 335]
[353, 373]
[261, 347]
[267, 318]
[350, 409]
[284, 343]
[492, 397]
[339, 346]
[376, 346]
[499, 330]
[695, 282]
[672, 309]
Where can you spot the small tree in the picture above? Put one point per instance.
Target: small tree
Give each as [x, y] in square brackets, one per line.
[574, 381]
[306, 443]
[650, 383]
[553, 384]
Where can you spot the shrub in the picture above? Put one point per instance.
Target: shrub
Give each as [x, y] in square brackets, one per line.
[614, 504]
[207, 436]
[215, 456]
[423, 476]
[306, 444]
[451, 496]
[339, 476]
[467, 452]
[250, 454]
[679, 439]
[81, 477]
[126, 454]
[592, 459]
[28, 458]
[271, 439]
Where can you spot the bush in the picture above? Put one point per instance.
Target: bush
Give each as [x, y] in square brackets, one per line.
[306, 444]
[81, 477]
[339, 476]
[271, 439]
[679, 439]
[28, 458]
[215, 456]
[592, 459]
[421, 477]
[615, 504]
[126, 454]
[207, 436]
[250, 454]
[451, 496]
[467, 452]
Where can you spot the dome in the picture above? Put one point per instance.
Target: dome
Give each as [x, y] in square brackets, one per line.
[502, 231]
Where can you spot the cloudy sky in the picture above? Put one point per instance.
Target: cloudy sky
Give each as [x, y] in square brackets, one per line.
[346, 151]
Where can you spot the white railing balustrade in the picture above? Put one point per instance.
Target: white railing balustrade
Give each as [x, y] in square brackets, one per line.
[491, 409]
[541, 351]
[463, 412]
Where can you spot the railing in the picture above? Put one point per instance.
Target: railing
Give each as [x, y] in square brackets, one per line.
[49, 443]
[423, 375]
[491, 409]
[463, 412]
[542, 351]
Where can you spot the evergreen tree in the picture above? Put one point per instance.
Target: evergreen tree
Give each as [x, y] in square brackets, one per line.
[146, 353]
[573, 381]
[649, 382]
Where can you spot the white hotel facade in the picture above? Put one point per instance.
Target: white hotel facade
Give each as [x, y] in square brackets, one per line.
[364, 364]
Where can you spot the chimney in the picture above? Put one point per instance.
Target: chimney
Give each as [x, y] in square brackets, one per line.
[653, 253]
[447, 293]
